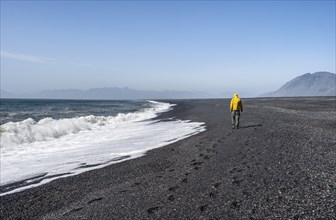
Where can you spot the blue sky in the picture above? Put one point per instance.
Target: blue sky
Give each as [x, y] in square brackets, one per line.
[249, 47]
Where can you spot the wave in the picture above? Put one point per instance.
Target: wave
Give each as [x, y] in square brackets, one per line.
[99, 141]
[29, 130]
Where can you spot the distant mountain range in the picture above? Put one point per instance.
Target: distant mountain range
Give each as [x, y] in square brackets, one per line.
[316, 84]
[5, 94]
[113, 93]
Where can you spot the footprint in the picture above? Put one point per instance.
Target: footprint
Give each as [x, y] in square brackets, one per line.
[171, 170]
[216, 185]
[95, 200]
[153, 209]
[236, 181]
[196, 163]
[235, 204]
[203, 208]
[171, 198]
[173, 188]
[212, 194]
[206, 157]
[185, 180]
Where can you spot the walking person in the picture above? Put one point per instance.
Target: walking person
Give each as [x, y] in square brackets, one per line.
[236, 106]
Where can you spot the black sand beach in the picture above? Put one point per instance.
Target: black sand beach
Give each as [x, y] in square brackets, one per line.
[281, 164]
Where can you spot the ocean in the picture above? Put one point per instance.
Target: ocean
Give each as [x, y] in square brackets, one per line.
[42, 140]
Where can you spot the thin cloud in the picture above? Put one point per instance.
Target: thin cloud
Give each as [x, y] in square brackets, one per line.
[27, 58]
[41, 59]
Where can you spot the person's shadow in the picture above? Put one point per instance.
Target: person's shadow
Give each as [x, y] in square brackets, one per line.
[250, 126]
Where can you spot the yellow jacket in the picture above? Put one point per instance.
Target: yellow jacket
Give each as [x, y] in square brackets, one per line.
[236, 103]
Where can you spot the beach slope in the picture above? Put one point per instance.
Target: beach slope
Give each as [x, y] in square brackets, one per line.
[280, 164]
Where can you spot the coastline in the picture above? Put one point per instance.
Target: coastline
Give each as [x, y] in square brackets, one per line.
[29, 159]
[280, 164]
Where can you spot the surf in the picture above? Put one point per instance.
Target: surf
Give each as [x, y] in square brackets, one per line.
[37, 152]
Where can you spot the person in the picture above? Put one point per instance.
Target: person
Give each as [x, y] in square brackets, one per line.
[236, 106]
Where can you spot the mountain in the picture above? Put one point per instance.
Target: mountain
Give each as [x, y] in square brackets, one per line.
[120, 93]
[5, 94]
[113, 93]
[316, 84]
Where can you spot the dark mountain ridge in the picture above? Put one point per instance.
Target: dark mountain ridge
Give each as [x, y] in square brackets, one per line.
[316, 84]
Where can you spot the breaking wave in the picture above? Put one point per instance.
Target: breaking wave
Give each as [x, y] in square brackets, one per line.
[29, 130]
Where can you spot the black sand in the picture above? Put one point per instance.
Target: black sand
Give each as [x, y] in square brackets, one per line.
[281, 164]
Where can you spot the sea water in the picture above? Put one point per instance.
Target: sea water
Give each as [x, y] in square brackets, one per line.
[42, 140]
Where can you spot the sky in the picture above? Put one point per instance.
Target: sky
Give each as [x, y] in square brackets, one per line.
[247, 47]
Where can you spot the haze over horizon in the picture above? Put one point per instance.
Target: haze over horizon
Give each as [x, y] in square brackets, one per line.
[246, 47]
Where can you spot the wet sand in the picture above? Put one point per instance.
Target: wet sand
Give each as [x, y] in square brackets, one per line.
[281, 164]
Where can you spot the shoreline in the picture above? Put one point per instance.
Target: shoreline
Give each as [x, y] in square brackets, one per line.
[276, 165]
[142, 124]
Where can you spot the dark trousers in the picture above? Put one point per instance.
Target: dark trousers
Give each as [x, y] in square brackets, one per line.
[235, 118]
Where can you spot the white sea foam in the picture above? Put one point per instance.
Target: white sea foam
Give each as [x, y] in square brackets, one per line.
[53, 147]
[29, 131]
